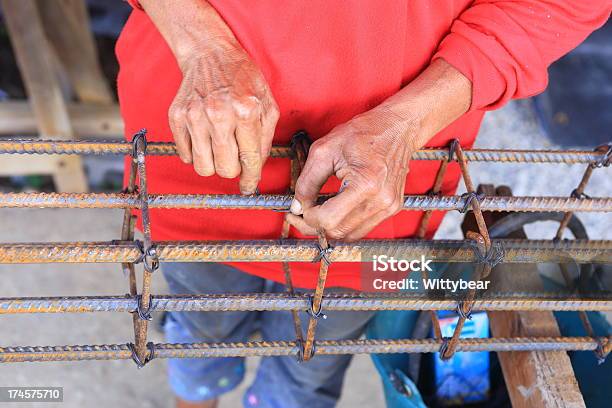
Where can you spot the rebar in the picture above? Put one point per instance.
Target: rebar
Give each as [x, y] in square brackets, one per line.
[159, 148]
[282, 202]
[287, 348]
[231, 302]
[516, 251]
[478, 249]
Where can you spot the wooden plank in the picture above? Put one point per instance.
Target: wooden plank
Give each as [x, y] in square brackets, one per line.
[533, 379]
[18, 165]
[35, 60]
[88, 120]
[66, 24]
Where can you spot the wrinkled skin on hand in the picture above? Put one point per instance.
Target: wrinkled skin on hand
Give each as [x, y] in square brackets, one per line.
[370, 154]
[224, 115]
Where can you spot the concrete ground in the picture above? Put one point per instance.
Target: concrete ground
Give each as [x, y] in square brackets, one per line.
[119, 383]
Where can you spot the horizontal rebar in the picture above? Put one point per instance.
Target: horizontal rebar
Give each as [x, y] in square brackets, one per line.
[287, 302]
[278, 202]
[159, 148]
[8, 146]
[284, 348]
[514, 251]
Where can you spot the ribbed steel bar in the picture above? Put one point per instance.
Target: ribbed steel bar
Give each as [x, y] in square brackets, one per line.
[281, 202]
[8, 146]
[515, 251]
[287, 302]
[153, 148]
[284, 348]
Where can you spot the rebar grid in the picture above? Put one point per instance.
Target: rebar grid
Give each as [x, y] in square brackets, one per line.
[478, 248]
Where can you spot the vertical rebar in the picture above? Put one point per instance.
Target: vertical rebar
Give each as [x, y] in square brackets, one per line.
[483, 244]
[149, 255]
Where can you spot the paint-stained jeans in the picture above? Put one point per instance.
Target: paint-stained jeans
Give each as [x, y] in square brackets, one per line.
[280, 382]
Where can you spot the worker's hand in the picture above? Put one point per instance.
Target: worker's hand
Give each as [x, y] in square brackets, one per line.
[370, 155]
[223, 116]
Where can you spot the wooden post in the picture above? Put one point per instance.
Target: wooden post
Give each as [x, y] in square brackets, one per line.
[35, 60]
[66, 24]
[533, 378]
[92, 121]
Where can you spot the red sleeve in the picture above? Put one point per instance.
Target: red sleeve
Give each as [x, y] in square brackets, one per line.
[505, 47]
[135, 4]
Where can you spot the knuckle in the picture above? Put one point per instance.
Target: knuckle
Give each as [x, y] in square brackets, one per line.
[215, 109]
[317, 149]
[194, 114]
[246, 108]
[387, 200]
[274, 113]
[176, 113]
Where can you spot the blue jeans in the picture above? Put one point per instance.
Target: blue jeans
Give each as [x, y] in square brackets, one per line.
[281, 382]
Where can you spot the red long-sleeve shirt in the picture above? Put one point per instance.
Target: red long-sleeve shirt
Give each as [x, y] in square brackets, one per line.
[327, 61]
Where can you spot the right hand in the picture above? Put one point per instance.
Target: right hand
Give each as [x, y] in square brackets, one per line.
[224, 115]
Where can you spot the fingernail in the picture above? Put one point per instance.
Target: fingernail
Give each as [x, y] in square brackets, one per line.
[296, 207]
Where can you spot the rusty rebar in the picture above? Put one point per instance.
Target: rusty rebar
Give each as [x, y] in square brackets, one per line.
[282, 202]
[149, 254]
[315, 310]
[516, 251]
[231, 302]
[15, 354]
[127, 234]
[8, 146]
[483, 245]
[36, 146]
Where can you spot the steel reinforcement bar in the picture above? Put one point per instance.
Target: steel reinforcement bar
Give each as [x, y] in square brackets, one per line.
[287, 348]
[157, 148]
[285, 302]
[514, 251]
[279, 202]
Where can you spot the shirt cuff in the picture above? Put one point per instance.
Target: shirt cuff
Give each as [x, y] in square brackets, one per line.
[135, 4]
[489, 87]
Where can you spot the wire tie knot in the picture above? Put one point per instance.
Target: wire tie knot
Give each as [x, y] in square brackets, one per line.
[323, 254]
[141, 135]
[140, 247]
[492, 257]
[301, 350]
[140, 363]
[606, 159]
[150, 259]
[452, 147]
[315, 314]
[576, 194]
[444, 349]
[469, 197]
[143, 314]
[467, 314]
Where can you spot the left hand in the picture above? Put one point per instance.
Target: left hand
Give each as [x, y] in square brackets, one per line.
[370, 155]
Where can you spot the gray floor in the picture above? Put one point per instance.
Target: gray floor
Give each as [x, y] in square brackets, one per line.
[119, 383]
